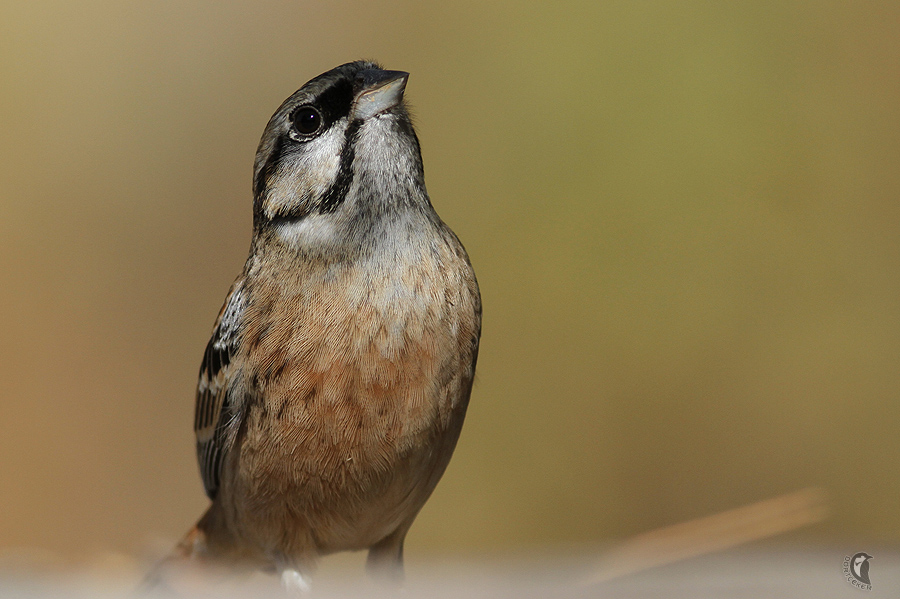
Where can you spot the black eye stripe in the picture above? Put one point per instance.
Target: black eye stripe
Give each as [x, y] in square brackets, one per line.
[331, 104]
[336, 100]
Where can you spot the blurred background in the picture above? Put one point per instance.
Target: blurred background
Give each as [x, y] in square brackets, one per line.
[684, 218]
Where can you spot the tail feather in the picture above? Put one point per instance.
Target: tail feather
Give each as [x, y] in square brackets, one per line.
[185, 556]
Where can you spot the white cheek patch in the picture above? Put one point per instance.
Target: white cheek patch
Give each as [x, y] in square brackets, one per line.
[314, 231]
[305, 175]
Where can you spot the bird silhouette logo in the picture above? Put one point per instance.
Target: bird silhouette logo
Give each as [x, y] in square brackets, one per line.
[859, 567]
[856, 570]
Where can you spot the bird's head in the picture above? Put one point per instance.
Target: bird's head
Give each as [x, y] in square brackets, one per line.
[338, 155]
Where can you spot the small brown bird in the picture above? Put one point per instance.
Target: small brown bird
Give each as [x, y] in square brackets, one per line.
[335, 384]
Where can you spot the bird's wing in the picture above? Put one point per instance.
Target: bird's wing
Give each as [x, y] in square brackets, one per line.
[217, 413]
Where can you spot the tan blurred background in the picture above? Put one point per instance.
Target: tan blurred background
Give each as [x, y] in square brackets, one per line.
[684, 218]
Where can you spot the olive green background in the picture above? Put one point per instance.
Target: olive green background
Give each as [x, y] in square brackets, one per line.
[684, 218]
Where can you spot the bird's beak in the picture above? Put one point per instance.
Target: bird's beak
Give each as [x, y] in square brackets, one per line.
[380, 90]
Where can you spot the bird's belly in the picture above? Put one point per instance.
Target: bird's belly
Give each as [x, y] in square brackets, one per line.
[332, 475]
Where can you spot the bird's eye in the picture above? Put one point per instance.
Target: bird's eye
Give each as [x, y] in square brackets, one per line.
[306, 120]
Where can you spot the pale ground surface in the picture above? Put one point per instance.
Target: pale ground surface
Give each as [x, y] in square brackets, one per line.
[745, 572]
[726, 554]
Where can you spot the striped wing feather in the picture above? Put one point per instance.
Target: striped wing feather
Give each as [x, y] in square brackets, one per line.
[216, 411]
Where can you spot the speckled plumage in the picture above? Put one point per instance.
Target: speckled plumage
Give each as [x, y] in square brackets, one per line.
[336, 381]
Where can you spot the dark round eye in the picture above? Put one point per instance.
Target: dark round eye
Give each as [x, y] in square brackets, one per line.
[306, 120]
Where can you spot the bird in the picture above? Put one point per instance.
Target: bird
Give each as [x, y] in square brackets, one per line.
[860, 567]
[333, 389]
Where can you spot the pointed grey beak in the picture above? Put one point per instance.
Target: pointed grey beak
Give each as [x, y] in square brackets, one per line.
[380, 90]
